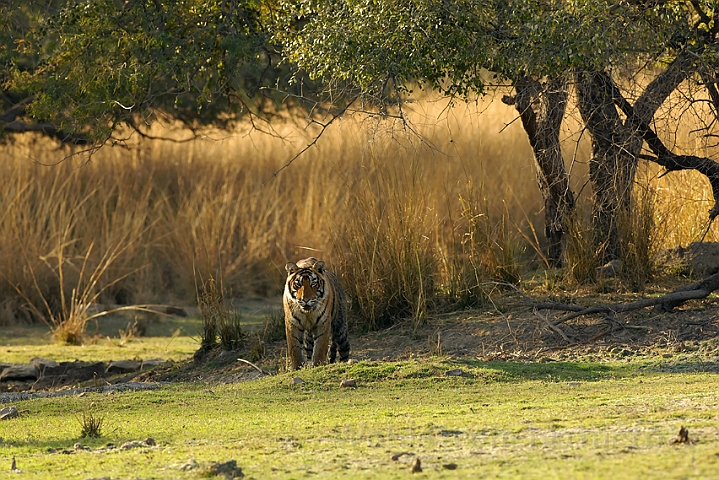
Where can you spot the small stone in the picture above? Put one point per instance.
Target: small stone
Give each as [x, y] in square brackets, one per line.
[229, 469]
[416, 466]
[297, 381]
[19, 372]
[450, 466]
[77, 446]
[348, 383]
[191, 464]
[610, 269]
[152, 362]
[399, 455]
[682, 436]
[457, 372]
[150, 442]
[9, 412]
[123, 366]
[131, 445]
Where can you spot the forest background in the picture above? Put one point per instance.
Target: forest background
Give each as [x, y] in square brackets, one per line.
[427, 150]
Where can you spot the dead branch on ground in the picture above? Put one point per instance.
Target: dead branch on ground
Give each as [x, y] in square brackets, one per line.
[665, 303]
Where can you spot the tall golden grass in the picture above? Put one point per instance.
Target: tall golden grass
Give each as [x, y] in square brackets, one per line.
[414, 213]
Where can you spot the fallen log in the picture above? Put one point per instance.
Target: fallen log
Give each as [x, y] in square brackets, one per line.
[665, 303]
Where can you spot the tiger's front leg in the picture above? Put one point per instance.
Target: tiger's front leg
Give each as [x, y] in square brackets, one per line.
[322, 344]
[294, 346]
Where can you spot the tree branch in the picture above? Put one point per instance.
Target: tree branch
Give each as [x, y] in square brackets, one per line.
[48, 129]
[666, 157]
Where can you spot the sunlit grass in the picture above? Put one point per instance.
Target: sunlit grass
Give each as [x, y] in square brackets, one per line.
[510, 420]
[214, 207]
[170, 339]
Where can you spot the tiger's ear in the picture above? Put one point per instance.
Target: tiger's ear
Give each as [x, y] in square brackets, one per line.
[291, 268]
[319, 267]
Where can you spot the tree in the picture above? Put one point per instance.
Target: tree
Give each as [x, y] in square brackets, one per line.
[80, 70]
[384, 46]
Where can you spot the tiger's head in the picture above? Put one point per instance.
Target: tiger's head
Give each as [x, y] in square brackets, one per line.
[306, 283]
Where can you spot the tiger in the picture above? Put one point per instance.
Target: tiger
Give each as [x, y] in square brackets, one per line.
[315, 315]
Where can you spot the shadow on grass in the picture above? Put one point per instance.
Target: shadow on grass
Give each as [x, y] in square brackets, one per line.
[553, 371]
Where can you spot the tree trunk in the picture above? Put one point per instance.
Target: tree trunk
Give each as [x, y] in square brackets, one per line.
[541, 108]
[616, 144]
[611, 167]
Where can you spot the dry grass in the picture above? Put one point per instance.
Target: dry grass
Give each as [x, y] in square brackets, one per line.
[412, 218]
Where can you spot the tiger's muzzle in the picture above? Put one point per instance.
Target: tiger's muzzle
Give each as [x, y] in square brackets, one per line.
[307, 305]
[307, 297]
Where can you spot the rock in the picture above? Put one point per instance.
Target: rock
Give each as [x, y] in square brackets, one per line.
[9, 412]
[191, 464]
[180, 312]
[610, 269]
[152, 362]
[42, 363]
[123, 366]
[70, 372]
[19, 372]
[228, 469]
[348, 383]
[297, 381]
[457, 372]
[450, 466]
[132, 444]
[416, 466]
[699, 259]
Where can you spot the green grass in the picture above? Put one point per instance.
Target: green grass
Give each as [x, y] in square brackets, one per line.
[500, 420]
[170, 338]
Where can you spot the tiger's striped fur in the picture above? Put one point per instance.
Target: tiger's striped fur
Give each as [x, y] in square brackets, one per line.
[315, 314]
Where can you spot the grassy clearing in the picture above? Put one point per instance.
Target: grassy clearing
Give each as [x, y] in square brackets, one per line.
[168, 338]
[499, 420]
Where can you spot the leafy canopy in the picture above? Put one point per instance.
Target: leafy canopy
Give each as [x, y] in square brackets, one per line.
[86, 67]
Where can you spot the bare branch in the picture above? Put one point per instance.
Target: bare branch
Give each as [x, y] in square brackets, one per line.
[665, 157]
[314, 141]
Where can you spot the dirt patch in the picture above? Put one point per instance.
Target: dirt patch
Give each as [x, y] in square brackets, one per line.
[512, 331]
[516, 334]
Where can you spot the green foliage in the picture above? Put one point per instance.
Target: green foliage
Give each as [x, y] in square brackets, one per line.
[88, 67]
[102, 64]
[383, 45]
